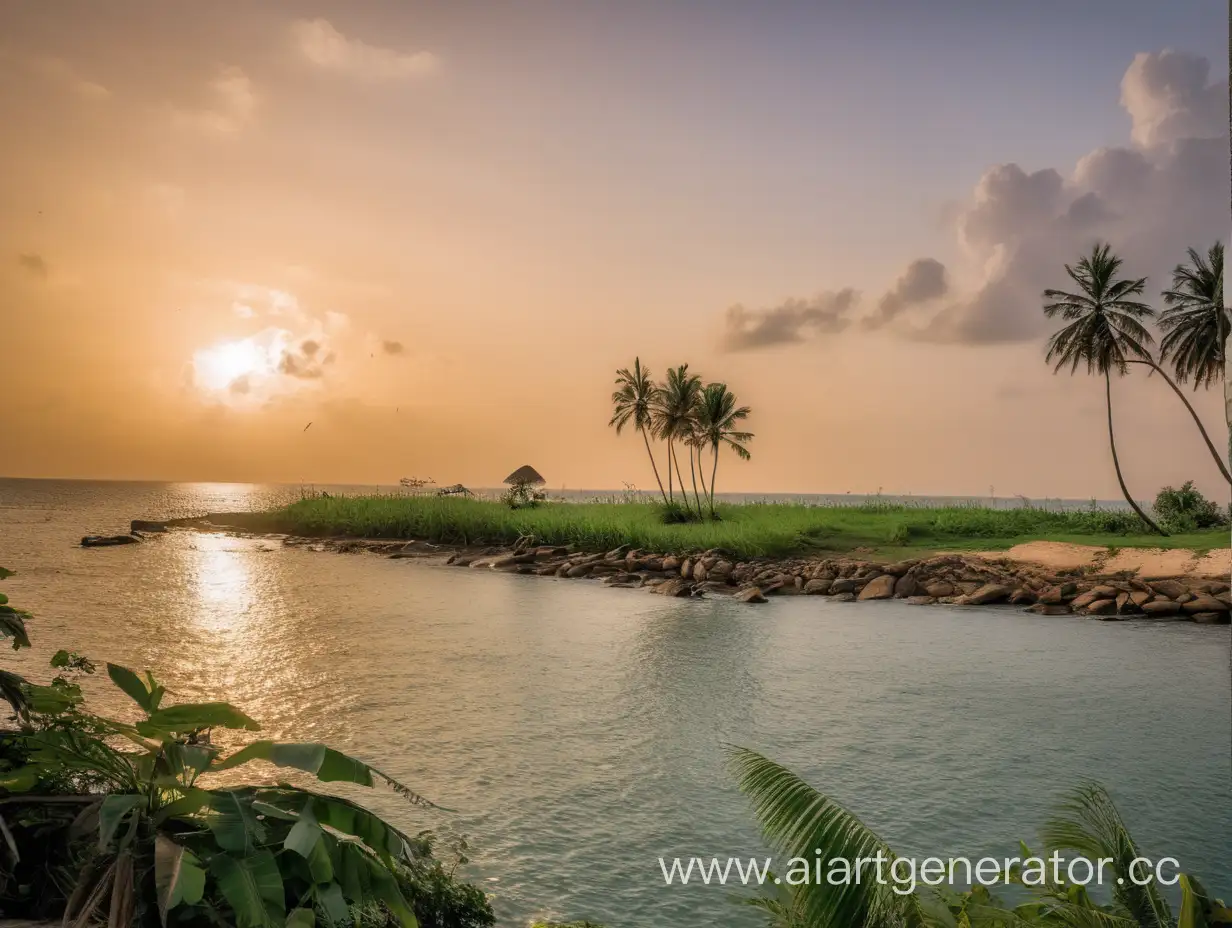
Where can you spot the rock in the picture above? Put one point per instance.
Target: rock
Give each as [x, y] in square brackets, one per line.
[107, 541]
[720, 571]
[920, 600]
[140, 525]
[1022, 597]
[1161, 608]
[546, 571]
[967, 587]
[1204, 603]
[1103, 591]
[905, 586]
[1102, 607]
[1184, 598]
[675, 587]
[511, 559]
[716, 586]
[1170, 588]
[798, 583]
[987, 594]
[1139, 598]
[817, 587]
[686, 568]
[617, 554]
[750, 594]
[938, 589]
[1212, 618]
[881, 587]
[655, 563]
[551, 551]
[823, 573]
[699, 571]
[847, 597]
[1059, 594]
[579, 570]
[1049, 609]
[842, 586]
[1126, 606]
[900, 568]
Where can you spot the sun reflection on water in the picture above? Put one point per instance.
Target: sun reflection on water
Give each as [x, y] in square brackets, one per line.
[222, 584]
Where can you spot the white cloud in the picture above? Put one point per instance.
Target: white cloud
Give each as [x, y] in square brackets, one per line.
[233, 105]
[327, 48]
[1165, 190]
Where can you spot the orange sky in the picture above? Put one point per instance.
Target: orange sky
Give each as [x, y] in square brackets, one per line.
[435, 233]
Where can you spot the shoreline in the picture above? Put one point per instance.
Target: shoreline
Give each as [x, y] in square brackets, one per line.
[956, 578]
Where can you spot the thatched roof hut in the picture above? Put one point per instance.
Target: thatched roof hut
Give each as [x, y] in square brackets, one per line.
[525, 475]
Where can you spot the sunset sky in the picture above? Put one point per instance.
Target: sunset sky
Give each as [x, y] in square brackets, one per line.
[434, 231]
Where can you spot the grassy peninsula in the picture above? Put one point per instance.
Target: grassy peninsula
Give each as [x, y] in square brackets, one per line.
[746, 530]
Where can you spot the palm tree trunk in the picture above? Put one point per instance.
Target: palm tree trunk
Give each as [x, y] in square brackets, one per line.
[713, 473]
[693, 475]
[671, 494]
[650, 453]
[1206, 438]
[1116, 463]
[684, 494]
[701, 474]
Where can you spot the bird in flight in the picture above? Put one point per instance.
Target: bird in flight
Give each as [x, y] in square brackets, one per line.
[308, 426]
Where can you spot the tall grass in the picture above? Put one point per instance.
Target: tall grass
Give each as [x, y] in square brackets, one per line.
[746, 530]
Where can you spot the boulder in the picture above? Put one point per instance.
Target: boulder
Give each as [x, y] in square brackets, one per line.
[939, 588]
[842, 585]
[677, 586]
[619, 553]
[847, 597]
[716, 586]
[817, 587]
[1022, 597]
[579, 570]
[669, 564]
[1139, 598]
[1170, 588]
[686, 568]
[750, 594]
[1049, 609]
[1212, 618]
[1061, 593]
[920, 600]
[720, 571]
[699, 571]
[1102, 607]
[1161, 608]
[905, 586]
[987, 594]
[1204, 603]
[108, 541]
[880, 587]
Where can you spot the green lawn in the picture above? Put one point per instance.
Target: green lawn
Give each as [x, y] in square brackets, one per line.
[746, 530]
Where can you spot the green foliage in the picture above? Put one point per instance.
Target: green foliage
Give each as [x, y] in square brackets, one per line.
[801, 822]
[151, 839]
[521, 496]
[1187, 510]
[750, 530]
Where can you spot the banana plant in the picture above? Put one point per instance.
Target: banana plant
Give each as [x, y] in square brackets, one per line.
[801, 822]
[168, 846]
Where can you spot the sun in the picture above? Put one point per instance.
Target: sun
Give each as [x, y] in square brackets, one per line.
[221, 366]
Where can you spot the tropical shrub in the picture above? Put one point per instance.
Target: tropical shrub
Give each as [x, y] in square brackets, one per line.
[1187, 510]
[803, 823]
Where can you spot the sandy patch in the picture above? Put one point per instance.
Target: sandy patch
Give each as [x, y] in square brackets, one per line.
[1145, 562]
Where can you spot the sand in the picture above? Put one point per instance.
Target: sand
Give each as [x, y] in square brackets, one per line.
[1145, 562]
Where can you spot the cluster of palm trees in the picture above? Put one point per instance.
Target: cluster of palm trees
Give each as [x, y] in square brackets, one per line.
[1105, 332]
[682, 412]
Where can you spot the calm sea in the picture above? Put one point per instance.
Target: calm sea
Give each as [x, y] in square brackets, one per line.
[577, 730]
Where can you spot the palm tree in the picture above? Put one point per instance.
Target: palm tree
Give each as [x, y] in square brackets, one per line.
[1196, 325]
[1103, 332]
[633, 401]
[804, 824]
[717, 417]
[672, 414]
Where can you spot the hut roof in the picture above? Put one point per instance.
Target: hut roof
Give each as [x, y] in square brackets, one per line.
[526, 474]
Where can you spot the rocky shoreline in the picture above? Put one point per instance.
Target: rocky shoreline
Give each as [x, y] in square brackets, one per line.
[943, 579]
[947, 579]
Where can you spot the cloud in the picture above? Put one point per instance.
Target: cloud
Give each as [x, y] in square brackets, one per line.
[61, 73]
[327, 48]
[787, 323]
[924, 280]
[1166, 189]
[233, 105]
[391, 347]
[34, 265]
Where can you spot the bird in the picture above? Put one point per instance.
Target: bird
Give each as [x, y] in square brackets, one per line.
[308, 426]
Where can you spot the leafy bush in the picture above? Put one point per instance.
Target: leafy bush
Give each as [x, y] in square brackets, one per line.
[1187, 510]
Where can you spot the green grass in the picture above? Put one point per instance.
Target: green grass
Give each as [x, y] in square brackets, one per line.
[745, 530]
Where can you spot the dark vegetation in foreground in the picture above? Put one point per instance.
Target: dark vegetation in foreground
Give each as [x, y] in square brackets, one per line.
[128, 825]
[746, 530]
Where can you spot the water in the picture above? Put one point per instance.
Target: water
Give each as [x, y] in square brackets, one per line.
[577, 730]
